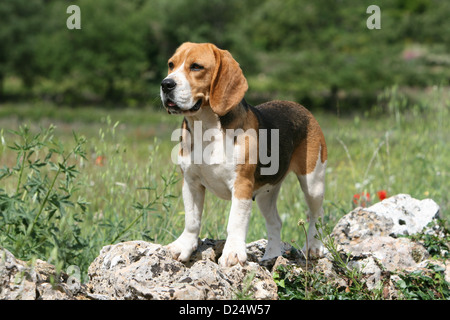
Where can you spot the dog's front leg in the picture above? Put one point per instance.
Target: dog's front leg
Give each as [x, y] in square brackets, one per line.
[234, 251]
[193, 197]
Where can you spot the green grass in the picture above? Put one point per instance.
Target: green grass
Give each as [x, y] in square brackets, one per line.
[131, 190]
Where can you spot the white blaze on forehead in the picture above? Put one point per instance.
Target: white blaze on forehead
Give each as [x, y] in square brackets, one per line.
[182, 94]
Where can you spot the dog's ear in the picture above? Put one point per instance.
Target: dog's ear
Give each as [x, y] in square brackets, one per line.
[228, 84]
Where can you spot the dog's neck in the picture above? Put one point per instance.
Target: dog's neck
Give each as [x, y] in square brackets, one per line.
[236, 117]
[205, 117]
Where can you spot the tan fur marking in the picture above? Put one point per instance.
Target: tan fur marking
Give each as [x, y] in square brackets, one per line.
[304, 158]
[183, 138]
[245, 177]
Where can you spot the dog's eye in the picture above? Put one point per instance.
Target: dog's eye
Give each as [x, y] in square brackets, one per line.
[171, 65]
[196, 67]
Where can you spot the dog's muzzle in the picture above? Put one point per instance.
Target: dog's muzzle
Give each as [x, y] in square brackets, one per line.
[173, 108]
[167, 87]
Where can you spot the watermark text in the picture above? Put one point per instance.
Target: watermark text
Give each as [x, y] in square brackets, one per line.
[235, 146]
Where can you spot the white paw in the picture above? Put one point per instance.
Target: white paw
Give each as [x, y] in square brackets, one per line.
[232, 254]
[181, 249]
[315, 249]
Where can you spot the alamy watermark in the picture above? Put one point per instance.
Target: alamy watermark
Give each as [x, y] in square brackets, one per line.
[74, 20]
[74, 279]
[212, 146]
[374, 21]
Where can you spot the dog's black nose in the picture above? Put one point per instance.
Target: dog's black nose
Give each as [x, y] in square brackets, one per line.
[168, 85]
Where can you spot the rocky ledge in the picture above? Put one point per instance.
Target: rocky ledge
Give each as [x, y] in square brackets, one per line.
[371, 239]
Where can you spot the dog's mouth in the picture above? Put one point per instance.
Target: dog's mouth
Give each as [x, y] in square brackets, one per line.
[173, 108]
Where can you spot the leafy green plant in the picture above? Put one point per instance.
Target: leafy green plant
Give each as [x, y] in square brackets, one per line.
[39, 217]
[307, 285]
[424, 285]
[48, 209]
[245, 291]
[437, 244]
[353, 276]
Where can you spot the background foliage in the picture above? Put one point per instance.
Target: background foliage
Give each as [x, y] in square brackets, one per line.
[318, 52]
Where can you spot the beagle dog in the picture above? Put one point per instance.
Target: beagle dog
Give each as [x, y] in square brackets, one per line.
[206, 86]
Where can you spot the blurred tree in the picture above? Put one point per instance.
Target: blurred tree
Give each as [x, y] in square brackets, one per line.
[322, 50]
[105, 57]
[320, 53]
[19, 20]
[206, 21]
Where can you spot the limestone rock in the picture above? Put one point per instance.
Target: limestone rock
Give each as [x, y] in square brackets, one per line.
[396, 216]
[20, 280]
[409, 216]
[393, 254]
[17, 281]
[141, 270]
[369, 236]
[360, 224]
[373, 231]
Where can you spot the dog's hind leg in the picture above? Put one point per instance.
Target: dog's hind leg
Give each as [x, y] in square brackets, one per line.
[267, 203]
[313, 186]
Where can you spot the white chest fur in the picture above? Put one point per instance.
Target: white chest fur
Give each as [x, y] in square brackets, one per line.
[210, 158]
[217, 178]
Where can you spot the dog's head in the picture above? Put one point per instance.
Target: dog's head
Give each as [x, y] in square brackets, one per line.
[202, 75]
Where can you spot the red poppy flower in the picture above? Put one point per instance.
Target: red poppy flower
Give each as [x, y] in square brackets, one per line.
[382, 194]
[100, 161]
[361, 199]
